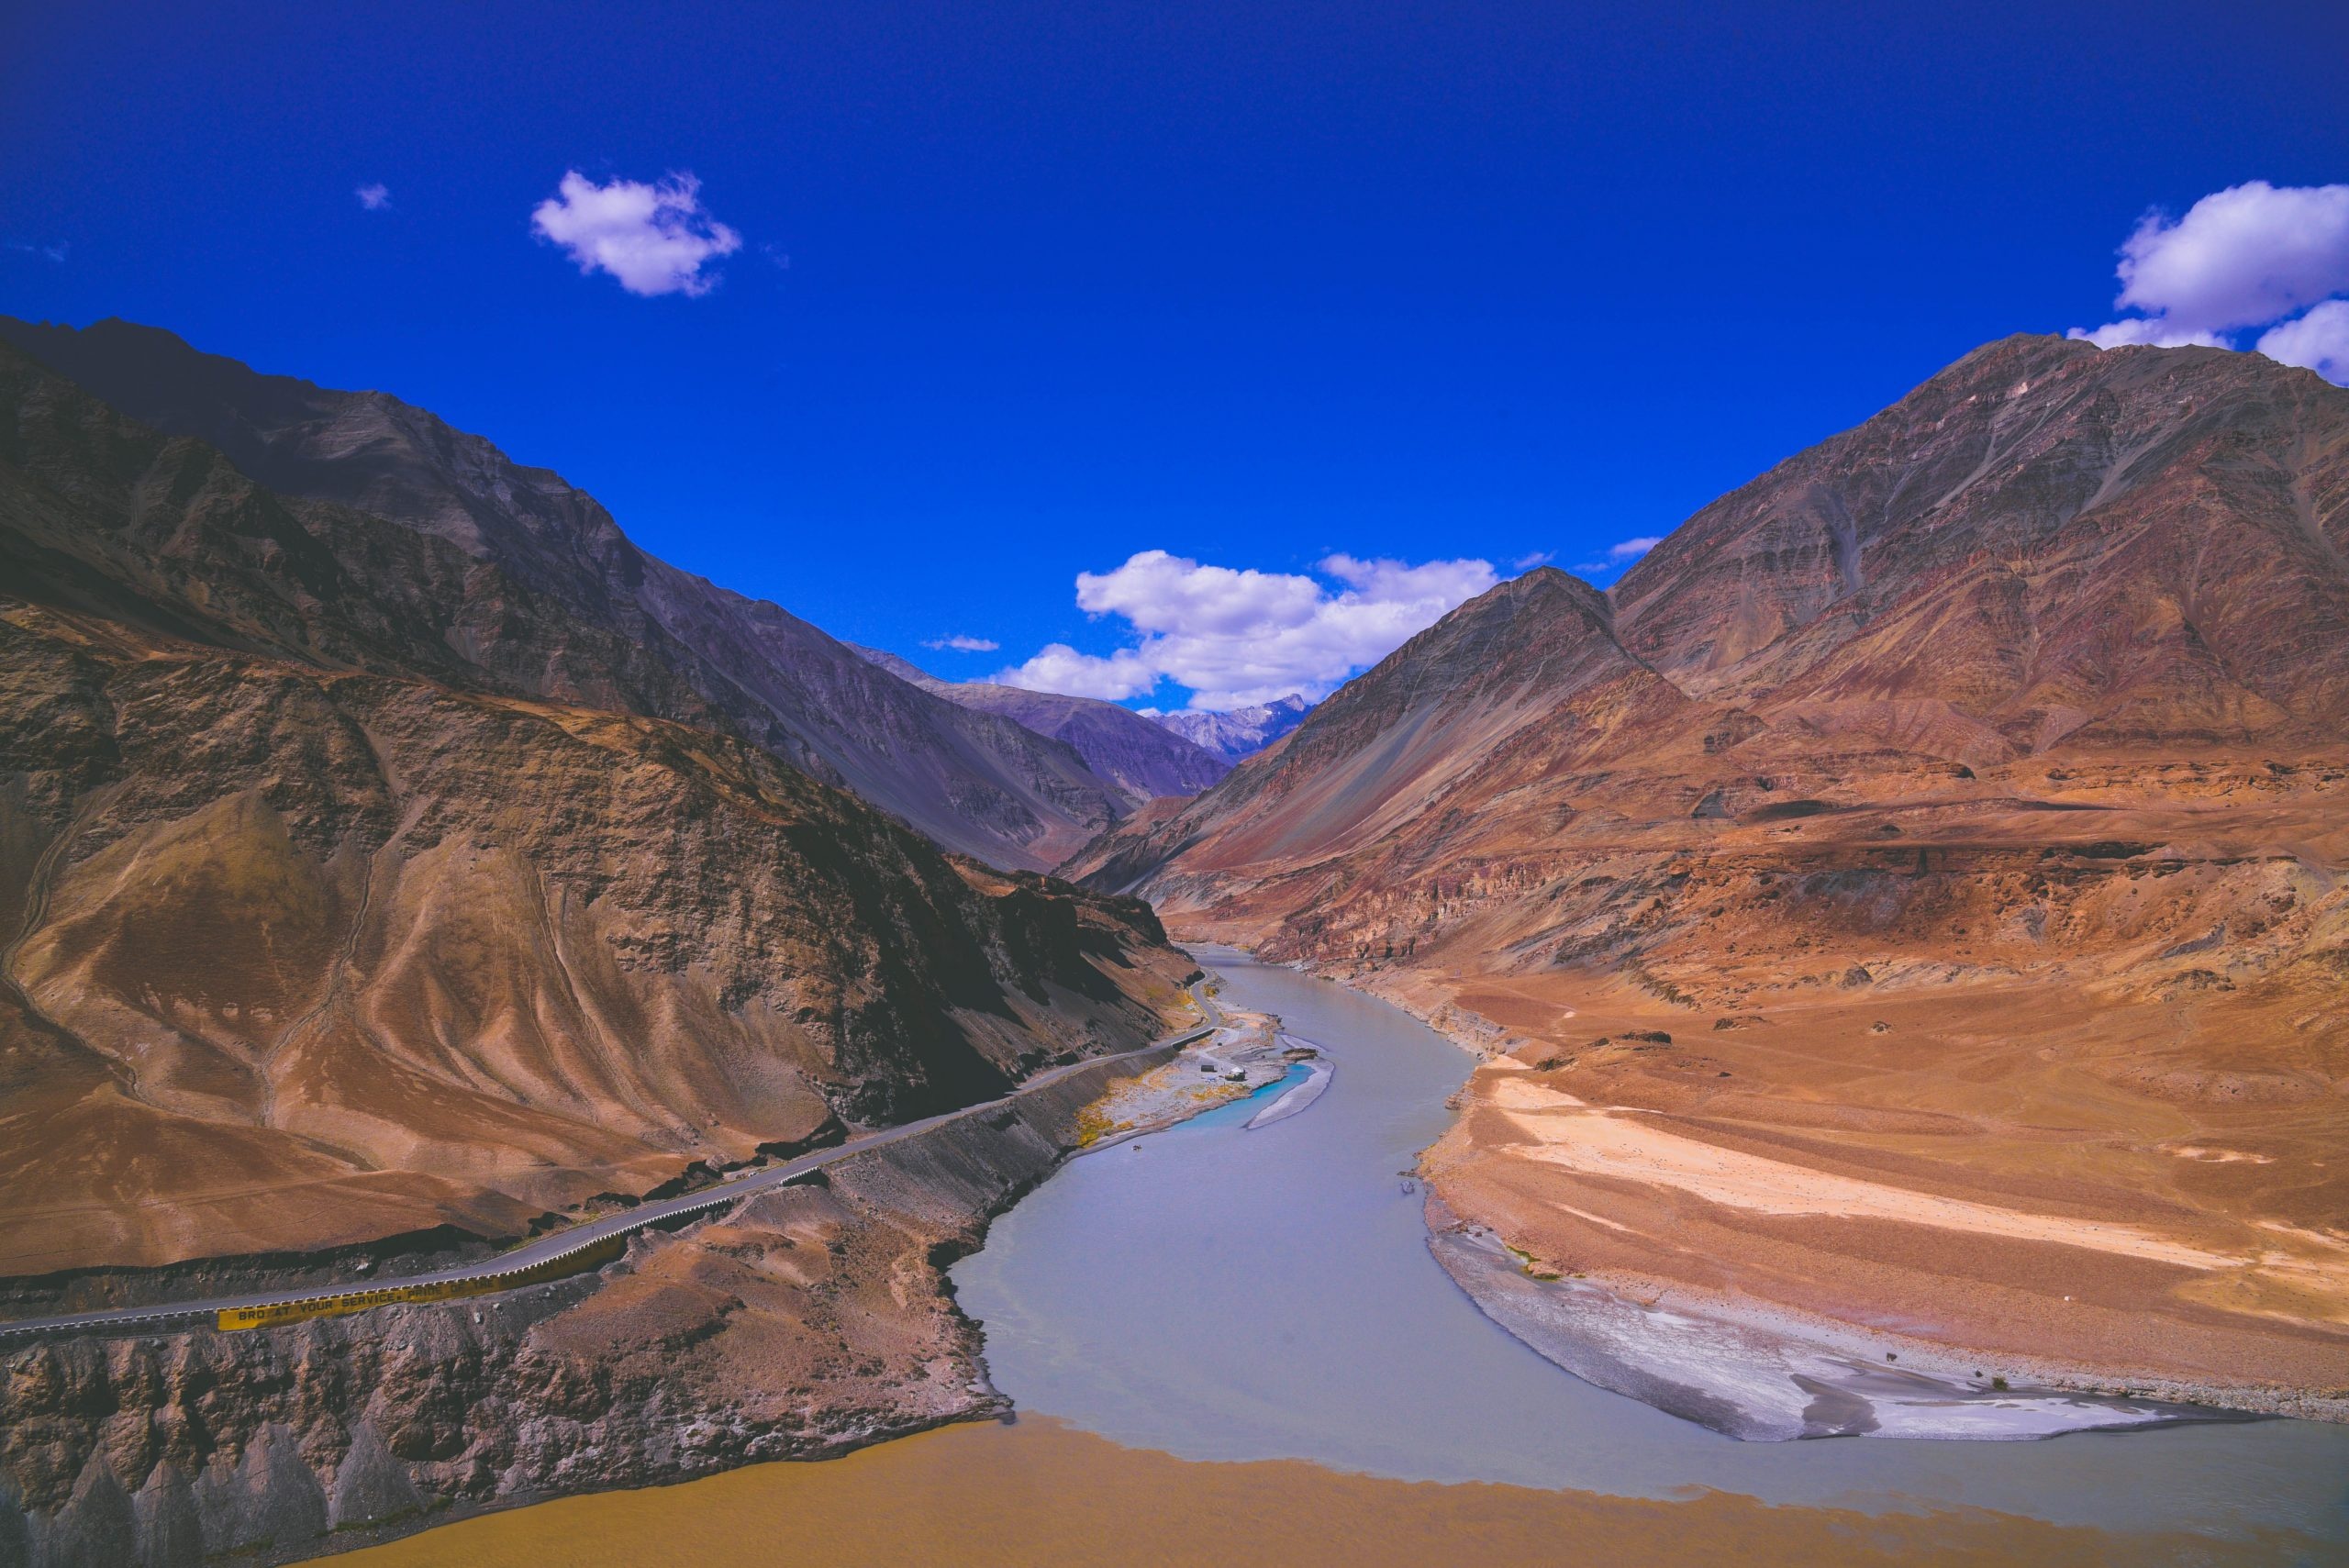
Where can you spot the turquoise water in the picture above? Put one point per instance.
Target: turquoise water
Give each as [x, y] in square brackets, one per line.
[1236, 1293]
[1298, 1073]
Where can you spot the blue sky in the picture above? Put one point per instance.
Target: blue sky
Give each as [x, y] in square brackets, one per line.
[1020, 291]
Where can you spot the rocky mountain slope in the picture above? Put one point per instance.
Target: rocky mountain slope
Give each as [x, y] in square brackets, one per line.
[1243, 732]
[1144, 760]
[805, 1322]
[1913, 895]
[2044, 544]
[568, 609]
[348, 889]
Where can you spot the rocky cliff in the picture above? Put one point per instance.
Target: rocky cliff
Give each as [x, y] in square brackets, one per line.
[1915, 891]
[809, 1320]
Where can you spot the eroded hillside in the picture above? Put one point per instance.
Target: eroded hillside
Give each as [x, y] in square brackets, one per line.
[319, 930]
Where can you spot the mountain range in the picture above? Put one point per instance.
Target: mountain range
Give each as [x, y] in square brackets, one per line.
[386, 843]
[2046, 548]
[1956, 809]
[1243, 731]
[538, 590]
[1914, 901]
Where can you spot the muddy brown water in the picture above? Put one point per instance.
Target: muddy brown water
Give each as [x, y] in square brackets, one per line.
[1043, 1495]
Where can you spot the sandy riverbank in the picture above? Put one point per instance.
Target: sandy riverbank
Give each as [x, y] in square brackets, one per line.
[1779, 1287]
[1759, 1375]
[1242, 1058]
[1299, 1098]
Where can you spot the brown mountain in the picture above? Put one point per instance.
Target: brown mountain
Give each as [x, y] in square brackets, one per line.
[1914, 894]
[346, 888]
[2043, 544]
[1144, 762]
[567, 609]
[1524, 680]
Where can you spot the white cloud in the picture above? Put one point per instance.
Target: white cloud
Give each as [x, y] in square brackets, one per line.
[1533, 559]
[56, 252]
[374, 197]
[2151, 331]
[2318, 341]
[1240, 637]
[1057, 667]
[1623, 552]
[961, 644]
[2241, 257]
[2246, 256]
[653, 238]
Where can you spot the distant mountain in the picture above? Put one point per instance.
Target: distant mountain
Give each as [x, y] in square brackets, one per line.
[1243, 731]
[574, 611]
[1144, 760]
[349, 888]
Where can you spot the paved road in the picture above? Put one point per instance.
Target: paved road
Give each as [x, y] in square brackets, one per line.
[561, 1244]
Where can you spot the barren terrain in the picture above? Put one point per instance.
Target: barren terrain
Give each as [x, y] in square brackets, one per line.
[1912, 897]
[313, 931]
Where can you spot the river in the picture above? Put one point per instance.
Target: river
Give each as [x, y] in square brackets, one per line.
[1222, 1293]
[1214, 1293]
